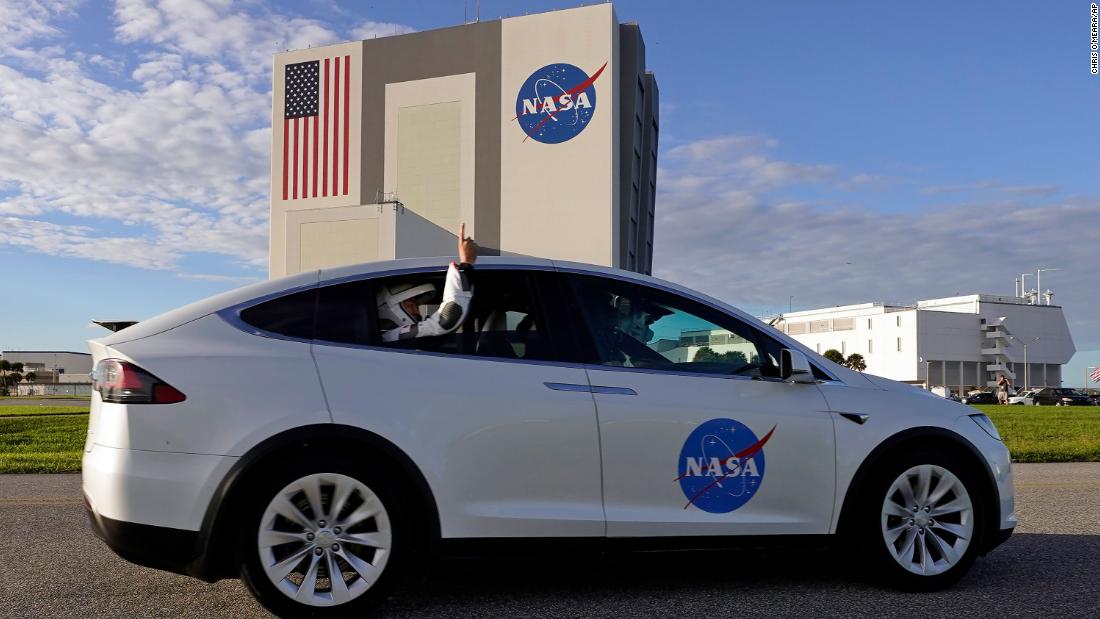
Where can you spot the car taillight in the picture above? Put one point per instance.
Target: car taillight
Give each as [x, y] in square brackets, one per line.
[122, 382]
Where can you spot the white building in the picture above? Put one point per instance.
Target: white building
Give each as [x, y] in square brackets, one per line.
[538, 132]
[959, 342]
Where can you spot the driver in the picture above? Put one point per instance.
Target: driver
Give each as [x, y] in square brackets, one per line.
[632, 331]
[400, 303]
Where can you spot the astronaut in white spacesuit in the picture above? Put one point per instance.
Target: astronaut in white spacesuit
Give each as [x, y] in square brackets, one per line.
[400, 304]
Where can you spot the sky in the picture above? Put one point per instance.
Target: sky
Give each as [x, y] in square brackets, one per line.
[835, 153]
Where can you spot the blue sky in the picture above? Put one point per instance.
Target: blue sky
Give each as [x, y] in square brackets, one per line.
[836, 152]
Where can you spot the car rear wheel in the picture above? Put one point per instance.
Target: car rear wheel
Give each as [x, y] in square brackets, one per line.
[323, 537]
[921, 522]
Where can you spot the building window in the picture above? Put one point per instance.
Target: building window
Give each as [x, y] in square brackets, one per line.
[868, 324]
[898, 318]
[818, 348]
[899, 344]
[870, 346]
[844, 348]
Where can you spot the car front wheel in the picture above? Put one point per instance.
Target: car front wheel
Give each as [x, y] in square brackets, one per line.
[921, 521]
[322, 537]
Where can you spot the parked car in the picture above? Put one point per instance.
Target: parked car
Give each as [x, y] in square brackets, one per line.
[1023, 397]
[945, 393]
[980, 397]
[1060, 396]
[270, 434]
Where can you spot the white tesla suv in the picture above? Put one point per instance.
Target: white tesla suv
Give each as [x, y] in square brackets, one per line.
[269, 434]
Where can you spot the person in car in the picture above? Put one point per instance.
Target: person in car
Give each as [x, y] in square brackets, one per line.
[399, 304]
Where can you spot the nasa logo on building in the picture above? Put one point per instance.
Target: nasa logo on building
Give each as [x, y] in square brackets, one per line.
[721, 465]
[557, 102]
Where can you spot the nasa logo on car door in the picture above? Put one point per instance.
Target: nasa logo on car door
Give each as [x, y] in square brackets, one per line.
[721, 466]
[557, 102]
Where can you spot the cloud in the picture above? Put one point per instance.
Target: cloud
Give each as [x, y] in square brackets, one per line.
[991, 186]
[146, 168]
[751, 244]
[712, 148]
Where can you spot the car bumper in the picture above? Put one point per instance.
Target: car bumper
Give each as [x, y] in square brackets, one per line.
[162, 548]
[163, 489]
[150, 507]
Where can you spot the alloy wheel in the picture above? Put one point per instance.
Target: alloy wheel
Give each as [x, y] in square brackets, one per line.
[927, 520]
[324, 539]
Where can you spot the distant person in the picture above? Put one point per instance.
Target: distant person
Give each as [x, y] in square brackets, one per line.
[1004, 386]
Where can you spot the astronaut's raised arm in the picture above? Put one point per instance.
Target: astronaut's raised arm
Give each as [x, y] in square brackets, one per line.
[457, 293]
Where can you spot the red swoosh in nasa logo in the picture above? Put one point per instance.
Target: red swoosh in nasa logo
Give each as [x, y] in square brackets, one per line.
[745, 453]
[583, 86]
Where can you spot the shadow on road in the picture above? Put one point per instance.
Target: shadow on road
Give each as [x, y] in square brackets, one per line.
[1057, 574]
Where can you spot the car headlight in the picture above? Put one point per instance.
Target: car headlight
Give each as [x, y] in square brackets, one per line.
[986, 424]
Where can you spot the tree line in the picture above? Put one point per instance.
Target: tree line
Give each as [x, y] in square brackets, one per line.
[12, 374]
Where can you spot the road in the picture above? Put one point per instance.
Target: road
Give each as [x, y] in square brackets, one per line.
[54, 567]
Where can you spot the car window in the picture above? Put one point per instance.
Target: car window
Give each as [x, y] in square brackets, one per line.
[504, 319]
[345, 313]
[642, 327]
[290, 315]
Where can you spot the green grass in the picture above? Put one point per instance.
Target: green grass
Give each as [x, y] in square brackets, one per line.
[50, 439]
[1048, 433]
[42, 443]
[35, 410]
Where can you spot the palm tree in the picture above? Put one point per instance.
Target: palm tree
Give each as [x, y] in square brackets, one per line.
[856, 362]
[834, 355]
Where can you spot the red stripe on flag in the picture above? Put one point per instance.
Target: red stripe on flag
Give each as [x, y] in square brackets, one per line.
[347, 94]
[336, 128]
[286, 126]
[324, 149]
[295, 158]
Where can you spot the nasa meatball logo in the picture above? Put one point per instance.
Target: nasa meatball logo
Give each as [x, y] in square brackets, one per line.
[556, 103]
[721, 466]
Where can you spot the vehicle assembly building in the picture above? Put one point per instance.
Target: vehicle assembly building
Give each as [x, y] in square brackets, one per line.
[539, 132]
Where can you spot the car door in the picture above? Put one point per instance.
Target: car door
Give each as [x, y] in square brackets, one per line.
[698, 434]
[504, 455]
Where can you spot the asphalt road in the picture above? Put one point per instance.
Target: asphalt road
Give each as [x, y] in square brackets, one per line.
[55, 567]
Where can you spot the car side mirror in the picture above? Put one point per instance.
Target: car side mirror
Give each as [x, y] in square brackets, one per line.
[795, 367]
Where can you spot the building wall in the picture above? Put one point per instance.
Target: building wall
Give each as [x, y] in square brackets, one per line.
[52, 361]
[941, 340]
[432, 124]
[548, 189]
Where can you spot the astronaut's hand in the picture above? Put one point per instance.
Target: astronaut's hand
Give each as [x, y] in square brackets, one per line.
[467, 248]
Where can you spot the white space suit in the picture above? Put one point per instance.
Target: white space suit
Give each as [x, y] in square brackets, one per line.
[457, 293]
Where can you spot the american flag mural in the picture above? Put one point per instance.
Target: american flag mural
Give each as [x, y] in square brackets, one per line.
[1096, 375]
[315, 128]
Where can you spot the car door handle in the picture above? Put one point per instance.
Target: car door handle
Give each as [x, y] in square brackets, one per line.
[568, 387]
[592, 389]
[614, 390]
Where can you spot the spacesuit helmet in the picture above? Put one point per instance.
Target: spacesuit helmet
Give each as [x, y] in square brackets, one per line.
[635, 318]
[391, 301]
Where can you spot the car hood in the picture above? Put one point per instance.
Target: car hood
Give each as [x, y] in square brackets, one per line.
[885, 384]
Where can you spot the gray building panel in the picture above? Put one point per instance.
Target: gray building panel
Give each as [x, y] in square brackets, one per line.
[473, 48]
[638, 124]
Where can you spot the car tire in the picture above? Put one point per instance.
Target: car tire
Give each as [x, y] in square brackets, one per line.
[927, 548]
[333, 513]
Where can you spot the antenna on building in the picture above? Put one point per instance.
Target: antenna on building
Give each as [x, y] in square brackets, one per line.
[1048, 296]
